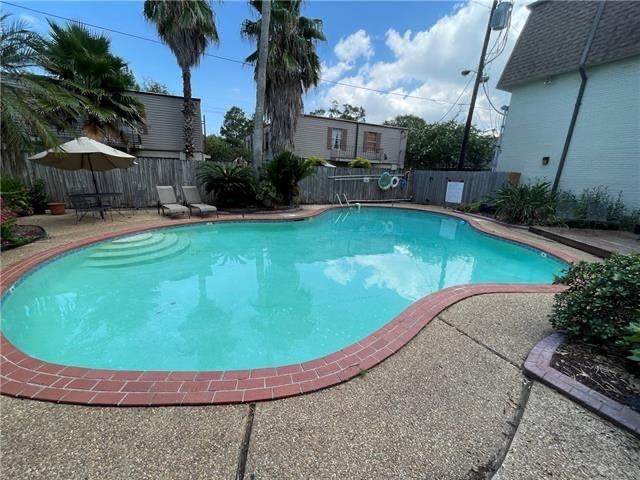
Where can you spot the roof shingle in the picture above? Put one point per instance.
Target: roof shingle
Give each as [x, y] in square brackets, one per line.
[556, 33]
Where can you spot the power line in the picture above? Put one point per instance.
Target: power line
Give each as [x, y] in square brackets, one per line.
[228, 59]
[486, 93]
[112, 30]
[457, 99]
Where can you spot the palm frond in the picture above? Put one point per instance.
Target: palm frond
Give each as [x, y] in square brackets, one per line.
[293, 66]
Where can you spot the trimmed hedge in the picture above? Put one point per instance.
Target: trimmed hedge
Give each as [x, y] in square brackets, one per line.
[602, 300]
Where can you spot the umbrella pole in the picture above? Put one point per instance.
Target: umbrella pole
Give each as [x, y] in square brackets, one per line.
[95, 185]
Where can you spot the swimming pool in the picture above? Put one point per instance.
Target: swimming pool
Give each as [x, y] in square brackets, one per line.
[226, 296]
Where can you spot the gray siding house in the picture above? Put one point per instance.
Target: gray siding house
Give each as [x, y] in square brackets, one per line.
[164, 136]
[340, 141]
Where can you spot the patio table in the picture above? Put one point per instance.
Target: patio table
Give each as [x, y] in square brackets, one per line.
[99, 197]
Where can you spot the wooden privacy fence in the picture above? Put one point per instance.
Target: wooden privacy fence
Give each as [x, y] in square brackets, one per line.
[423, 186]
[143, 178]
[139, 181]
[356, 183]
[430, 186]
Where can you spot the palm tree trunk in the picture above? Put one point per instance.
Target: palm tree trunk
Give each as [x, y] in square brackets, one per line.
[263, 54]
[188, 112]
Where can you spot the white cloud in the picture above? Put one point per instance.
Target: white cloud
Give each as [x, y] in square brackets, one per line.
[348, 50]
[336, 71]
[426, 63]
[354, 46]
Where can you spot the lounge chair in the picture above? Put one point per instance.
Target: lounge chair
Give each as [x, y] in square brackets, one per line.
[167, 201]
[193, 200]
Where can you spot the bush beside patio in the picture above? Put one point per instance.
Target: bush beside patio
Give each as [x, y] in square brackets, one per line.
[536, 204]
[599, 314]
[16, 200]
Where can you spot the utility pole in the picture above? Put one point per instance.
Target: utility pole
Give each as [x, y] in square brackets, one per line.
[261, 82]
[479, 77]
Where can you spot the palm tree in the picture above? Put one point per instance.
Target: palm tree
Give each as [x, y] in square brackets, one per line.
[284, 172]
[187, 27]
[261, 82]
[82, 62]
[230, 183]
[293, 66]
[31, 106]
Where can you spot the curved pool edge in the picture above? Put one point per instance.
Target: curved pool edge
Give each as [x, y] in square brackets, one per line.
[26, 377]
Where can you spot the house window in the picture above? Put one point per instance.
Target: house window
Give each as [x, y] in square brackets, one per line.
[371, 141]
[336, 138]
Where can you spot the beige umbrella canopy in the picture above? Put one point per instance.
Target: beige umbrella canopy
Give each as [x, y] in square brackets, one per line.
[84, 154]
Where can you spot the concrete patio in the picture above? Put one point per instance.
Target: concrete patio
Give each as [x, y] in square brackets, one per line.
[470, 412]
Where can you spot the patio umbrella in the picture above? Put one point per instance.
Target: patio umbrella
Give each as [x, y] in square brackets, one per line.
[85, 154]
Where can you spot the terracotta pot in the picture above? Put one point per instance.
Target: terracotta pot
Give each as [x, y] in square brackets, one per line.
[56, 208]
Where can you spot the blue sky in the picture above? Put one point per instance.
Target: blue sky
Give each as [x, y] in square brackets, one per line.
[411, 48]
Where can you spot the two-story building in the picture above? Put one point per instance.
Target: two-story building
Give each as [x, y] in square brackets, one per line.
[340, 141]
[574, 79]
[163, 136]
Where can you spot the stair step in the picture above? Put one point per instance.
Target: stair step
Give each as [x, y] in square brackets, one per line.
[176, 248]
[134, 238]
[138, 241]
[166, 241]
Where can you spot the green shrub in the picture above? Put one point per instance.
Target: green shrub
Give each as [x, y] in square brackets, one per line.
[316, 161]
[15, 195]
[598, 198]
[232, 185]
[481, 206]
[284, 172]
[602, 299]
[38, 197]
[633, 340]
[266, 192]
[7, 221]
[525, 204]
[360, 162]
[596, 208]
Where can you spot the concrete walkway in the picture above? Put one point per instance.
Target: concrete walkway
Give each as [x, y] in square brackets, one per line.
[469, 413]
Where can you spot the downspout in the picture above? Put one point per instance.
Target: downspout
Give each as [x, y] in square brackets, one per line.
[355, 148]
[576, 108]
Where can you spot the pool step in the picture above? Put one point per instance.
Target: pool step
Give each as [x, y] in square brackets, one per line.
[133, 242]
[141, 250]
[163, 242]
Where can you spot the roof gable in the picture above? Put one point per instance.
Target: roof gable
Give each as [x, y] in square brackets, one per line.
[556, 33]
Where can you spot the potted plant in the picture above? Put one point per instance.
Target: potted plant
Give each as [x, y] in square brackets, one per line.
[56, 208]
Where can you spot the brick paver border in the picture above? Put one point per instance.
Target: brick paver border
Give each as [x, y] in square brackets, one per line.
[538, 366]
[26, 377]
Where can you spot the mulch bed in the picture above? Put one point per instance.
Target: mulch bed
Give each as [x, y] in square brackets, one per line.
[605, 371]
[24, 234]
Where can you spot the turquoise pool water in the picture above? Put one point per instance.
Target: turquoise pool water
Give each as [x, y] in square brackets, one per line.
[249, 295]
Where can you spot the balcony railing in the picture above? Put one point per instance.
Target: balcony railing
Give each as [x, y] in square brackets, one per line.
[133, 138]
[349, 153]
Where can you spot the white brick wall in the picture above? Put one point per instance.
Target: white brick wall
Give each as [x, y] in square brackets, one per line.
[605, 149]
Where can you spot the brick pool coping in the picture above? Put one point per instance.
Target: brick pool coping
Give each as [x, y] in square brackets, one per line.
[26, 377]
[538, 366]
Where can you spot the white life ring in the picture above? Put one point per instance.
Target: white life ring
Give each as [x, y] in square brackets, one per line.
[384, 182]
[395, 181]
